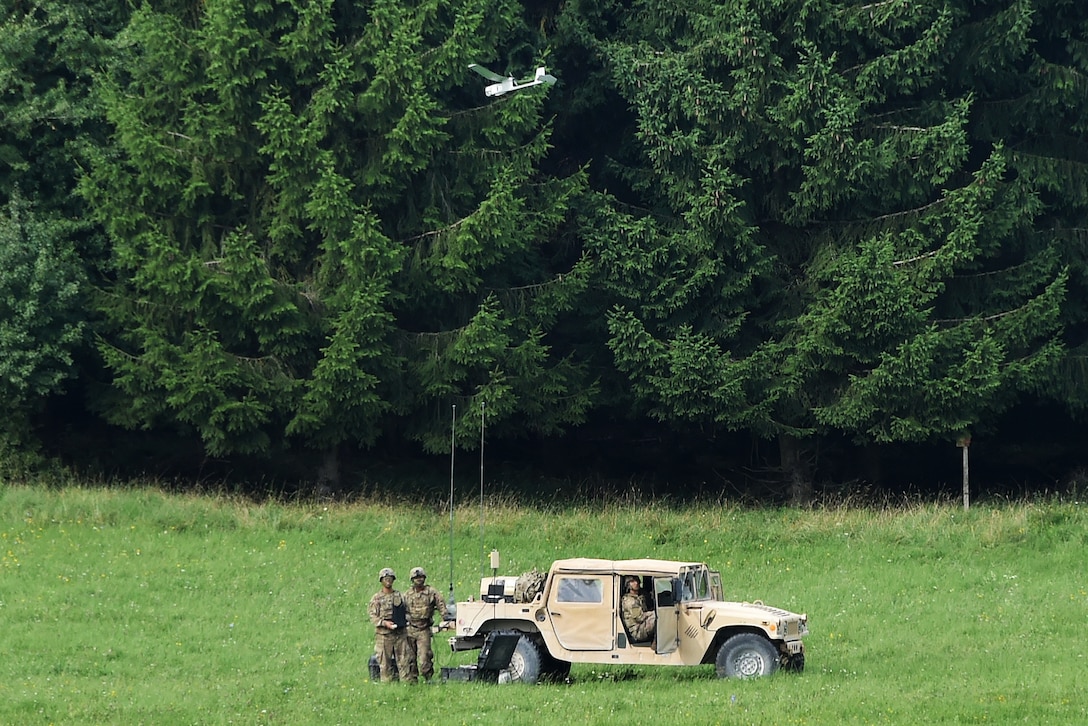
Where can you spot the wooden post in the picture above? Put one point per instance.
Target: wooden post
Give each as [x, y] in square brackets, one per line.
[964, 443]
[966, 482]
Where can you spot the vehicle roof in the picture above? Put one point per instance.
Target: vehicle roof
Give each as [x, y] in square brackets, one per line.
[645, 566]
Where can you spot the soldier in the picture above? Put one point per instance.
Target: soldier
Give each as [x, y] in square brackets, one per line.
[388, 613]
[422, 601]
[640, 622]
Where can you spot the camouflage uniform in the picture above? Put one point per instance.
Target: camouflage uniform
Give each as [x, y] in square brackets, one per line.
[422, 604]
[389, 643]
[639, 622]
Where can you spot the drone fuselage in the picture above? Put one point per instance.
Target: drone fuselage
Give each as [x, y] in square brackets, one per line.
[497, 89]
[505, 85]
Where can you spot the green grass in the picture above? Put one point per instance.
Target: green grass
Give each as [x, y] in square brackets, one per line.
[132, 605]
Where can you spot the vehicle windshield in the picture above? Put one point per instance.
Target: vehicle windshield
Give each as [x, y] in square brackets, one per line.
[717, 592]
[695, 584]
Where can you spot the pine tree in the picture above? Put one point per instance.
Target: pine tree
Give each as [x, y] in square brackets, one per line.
[807, 215]
[48, 53]
[1026, 63]
[322, 231]
[41, 318]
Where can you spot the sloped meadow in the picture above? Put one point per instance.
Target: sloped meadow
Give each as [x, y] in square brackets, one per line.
[128, 605]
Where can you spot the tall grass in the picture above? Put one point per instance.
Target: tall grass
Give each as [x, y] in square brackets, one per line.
[134, 605]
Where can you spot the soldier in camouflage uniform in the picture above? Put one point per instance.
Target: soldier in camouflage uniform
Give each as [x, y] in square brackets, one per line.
[388, 613]
[639, 621]
[423, 600]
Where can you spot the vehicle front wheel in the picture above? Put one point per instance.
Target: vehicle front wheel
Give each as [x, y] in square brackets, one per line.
[525, 663]
[746, 655]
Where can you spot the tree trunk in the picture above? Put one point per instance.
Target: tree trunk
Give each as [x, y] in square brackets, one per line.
[795, 470]
[328, 474]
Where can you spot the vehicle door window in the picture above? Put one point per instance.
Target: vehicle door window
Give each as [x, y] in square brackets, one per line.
[572, 589]
[663, 591]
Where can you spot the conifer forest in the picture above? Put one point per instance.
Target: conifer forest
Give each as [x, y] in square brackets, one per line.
[770, 248]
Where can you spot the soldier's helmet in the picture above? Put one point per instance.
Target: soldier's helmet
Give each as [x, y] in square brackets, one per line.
[387, 572]
[418, 572]
[631, 579]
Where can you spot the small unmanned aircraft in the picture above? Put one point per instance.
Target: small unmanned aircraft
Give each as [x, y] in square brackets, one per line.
[503, 85]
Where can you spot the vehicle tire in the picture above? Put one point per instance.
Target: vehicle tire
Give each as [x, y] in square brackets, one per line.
[525, 663]
[746, 655]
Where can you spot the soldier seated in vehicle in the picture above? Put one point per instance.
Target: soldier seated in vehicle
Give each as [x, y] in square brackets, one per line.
[639, 621]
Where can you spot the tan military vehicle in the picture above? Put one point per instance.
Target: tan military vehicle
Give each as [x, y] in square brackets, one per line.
[574, 615]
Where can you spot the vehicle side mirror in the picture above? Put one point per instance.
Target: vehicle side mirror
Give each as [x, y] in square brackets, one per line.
[677, 590]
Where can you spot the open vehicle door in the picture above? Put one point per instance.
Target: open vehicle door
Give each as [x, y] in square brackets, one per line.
[668, 634]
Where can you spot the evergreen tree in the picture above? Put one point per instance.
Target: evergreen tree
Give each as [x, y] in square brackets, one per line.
[41, 318]
[324, 233]
[1026, 65]
[48, 53]
[48, 115]
[805, 217]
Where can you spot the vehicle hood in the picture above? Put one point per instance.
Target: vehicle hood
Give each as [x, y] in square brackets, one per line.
[718, 614]
[753, 610]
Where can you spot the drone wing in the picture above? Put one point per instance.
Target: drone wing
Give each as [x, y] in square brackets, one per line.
[495, 77]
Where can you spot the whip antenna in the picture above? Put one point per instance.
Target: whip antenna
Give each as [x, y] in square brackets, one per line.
[452, 602]
[482, 548]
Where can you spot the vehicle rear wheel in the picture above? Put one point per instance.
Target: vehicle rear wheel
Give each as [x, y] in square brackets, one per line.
[525, 663]
[746, 655]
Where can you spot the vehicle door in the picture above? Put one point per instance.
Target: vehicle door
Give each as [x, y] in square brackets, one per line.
[583, 611]
[667, 630]
[695, 589]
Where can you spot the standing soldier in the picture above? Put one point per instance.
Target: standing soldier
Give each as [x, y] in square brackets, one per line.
[389, 615]
[422, 600]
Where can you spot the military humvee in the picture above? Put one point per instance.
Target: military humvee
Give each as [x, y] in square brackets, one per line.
[574, 616]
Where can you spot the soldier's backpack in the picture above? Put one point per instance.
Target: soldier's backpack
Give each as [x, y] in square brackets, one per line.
[529, 585]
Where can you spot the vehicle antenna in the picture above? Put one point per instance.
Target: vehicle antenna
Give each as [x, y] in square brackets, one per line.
[482, 548]
[452, 602]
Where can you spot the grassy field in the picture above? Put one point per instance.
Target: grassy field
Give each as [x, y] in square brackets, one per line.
[132, 605]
